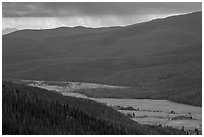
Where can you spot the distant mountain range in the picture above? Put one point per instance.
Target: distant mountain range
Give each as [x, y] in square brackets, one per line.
[57, 32]
[162, 55]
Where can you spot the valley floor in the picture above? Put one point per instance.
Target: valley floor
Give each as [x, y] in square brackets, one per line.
[144, 111]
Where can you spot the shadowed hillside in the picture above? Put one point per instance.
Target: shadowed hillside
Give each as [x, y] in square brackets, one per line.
[163, 55]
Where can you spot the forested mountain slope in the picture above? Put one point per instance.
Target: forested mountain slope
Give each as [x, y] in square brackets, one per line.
[28, 110]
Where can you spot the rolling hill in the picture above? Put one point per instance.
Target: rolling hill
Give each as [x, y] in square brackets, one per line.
[163, 56]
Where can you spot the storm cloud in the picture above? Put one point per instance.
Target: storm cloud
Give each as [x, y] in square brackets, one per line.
[91, 14]
[62, 9]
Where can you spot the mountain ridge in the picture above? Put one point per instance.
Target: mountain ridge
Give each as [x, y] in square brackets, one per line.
[144, 55]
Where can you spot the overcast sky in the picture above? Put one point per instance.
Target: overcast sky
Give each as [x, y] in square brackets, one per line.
[33, 15]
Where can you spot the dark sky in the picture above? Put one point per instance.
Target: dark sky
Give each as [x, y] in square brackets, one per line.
[50, 15]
